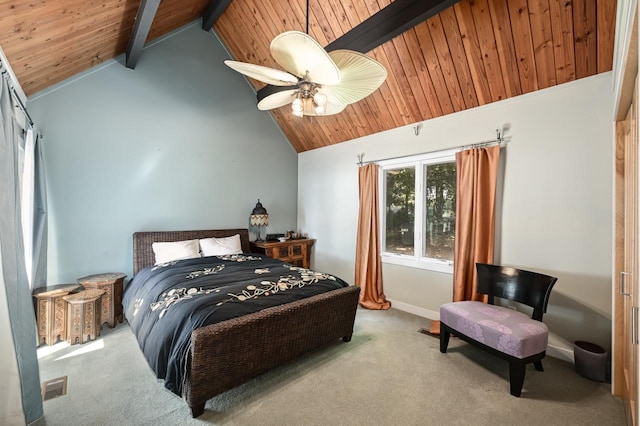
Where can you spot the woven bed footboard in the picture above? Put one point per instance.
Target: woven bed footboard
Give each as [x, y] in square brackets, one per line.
[229, 353]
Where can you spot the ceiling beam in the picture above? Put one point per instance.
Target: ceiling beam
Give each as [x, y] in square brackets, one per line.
[142, 24]
[215, 9]
[387, 23]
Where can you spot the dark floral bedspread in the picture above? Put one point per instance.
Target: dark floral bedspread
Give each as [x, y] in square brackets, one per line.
[164, 303]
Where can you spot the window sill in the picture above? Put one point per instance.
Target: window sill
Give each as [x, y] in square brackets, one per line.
[418, 263]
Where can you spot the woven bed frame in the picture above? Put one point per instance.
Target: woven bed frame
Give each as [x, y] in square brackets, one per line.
[229, 353]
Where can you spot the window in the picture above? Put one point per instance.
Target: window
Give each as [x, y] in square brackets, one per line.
[27, 183]
[400, 210]
[440, 206]
[419, 209]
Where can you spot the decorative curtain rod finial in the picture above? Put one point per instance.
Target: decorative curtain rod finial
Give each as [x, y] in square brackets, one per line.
[416, 129]
[360, 156]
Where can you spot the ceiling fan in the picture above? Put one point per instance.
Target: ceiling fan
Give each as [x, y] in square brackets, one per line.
[320, 82]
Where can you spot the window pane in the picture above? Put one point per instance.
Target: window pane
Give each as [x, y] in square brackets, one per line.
[400, 208]
[440, 206]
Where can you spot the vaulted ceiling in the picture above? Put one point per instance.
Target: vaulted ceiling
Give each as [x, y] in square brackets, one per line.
[470, 54]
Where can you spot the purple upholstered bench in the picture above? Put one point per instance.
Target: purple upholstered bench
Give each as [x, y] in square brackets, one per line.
[502, 331]
[500, 328]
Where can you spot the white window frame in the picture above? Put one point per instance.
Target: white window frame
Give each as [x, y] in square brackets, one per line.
[416, 260]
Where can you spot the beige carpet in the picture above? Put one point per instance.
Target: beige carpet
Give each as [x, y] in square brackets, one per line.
[389, 374]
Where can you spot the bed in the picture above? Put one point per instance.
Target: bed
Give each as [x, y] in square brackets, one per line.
[226, 353]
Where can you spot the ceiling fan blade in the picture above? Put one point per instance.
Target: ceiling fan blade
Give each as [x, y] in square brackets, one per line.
[265, 74]
[361, 76]
[299, 53]
[277, 99]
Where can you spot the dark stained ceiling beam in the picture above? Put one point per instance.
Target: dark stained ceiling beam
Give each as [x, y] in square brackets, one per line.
[387, 23]
[215, 9]
[142, 24]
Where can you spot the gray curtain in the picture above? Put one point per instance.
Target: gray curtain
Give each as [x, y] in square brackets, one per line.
[16, 286]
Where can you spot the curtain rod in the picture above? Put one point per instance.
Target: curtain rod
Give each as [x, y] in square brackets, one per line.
[499, 140]
[5, 72]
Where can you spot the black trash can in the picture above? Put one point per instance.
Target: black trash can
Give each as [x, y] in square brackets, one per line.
[590, 361]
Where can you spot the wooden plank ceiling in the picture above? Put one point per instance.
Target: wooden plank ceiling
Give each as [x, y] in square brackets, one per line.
[471, 54]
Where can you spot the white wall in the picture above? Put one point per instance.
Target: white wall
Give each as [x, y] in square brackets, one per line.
[556, 208]
[175, 144]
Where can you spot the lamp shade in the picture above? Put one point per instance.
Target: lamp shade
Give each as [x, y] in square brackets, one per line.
[259, 215]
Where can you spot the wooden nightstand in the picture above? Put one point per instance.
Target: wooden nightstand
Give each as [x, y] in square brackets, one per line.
[296, 252]
[51, 311]
[83, 315]
[112, 301]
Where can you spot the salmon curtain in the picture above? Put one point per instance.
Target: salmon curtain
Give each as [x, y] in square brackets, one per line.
[477, 173]
[368, 263]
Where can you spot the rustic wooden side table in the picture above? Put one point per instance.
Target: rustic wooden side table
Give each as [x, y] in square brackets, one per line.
[83, 315]
[296, 252]
[51, 312]
[112, 283]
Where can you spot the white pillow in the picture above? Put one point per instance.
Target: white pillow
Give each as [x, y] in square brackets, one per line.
[221, 246]
[167, 252]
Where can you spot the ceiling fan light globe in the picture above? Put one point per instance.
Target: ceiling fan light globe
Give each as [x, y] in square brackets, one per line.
[320, 99]
[298, 113]
[320, 109]
[329, 109]
[297, 105]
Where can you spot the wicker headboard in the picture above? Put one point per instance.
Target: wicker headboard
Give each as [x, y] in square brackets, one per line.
[143, 253]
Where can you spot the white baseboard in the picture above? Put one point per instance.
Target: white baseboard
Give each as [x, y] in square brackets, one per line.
[416, 310]
[559, 352]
